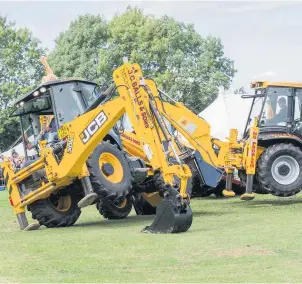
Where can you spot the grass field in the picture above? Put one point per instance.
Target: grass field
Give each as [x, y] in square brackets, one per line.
[229, 241]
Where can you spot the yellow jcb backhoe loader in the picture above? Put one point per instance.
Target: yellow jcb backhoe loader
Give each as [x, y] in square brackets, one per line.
[69, 172]
[269, 156]
[278, 106]
[208, 157]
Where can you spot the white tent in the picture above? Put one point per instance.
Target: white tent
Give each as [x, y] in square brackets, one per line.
[228, 111]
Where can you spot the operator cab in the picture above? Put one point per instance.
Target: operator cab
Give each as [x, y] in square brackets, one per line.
[52, 104]
[277, 105]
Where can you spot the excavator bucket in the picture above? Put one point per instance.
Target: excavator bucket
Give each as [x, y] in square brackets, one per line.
[172, 215]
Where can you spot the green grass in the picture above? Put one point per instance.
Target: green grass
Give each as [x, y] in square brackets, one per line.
[229, 241]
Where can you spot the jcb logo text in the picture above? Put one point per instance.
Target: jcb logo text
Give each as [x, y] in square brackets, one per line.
[93, 127]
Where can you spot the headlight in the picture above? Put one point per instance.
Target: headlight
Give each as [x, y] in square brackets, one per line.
[43, 90]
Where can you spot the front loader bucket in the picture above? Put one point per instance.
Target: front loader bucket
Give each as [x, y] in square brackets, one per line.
[171, 217]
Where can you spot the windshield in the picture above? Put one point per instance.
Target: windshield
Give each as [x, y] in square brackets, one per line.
[34, 105]
[276, 107]
[27, 125]
[90, 93]
[67, 102]
[255, 111]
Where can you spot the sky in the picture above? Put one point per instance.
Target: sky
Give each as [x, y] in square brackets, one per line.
[263, 38]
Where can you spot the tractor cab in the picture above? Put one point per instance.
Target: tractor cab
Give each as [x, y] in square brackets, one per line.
[277, 107]
[46, 108]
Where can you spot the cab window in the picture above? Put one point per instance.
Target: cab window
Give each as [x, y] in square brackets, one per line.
[67, 102]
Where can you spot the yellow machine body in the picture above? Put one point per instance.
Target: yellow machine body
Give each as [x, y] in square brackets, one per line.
[83, 134]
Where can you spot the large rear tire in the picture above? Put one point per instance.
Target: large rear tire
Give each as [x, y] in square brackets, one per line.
[280, 169]
[58, 210]
[111, 179]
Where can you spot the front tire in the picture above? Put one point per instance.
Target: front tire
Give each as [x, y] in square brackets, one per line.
[115, 210]
[110, 173]
[143, 207]
[280, 169]
[58, 210]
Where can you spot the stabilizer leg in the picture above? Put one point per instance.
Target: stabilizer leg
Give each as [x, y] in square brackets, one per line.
[228, 192]
[173, 215]
[90, 196]
[248, 195]
[23, 223]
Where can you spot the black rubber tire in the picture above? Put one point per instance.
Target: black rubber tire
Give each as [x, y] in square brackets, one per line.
[147, 208]
[46, 214]
[264, 174]
[101, 185]
[110, 211]
[143, 206]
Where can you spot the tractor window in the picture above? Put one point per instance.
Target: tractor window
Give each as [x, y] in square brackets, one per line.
[37, 104]
[276, 107]
[298, 105]
[90, 93]
[67, 103]
[26, 121]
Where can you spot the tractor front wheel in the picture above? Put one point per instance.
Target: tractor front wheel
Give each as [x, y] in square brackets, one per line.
[115, 210]
[280, 169]
[58, 210]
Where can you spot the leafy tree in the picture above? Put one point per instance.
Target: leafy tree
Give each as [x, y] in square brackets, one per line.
[186, 65]
[19, 70]
[77, 49]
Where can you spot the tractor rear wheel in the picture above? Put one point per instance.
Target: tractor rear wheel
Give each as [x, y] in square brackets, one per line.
[115, 210]
[58, 210]
[111, 178]
[279, 169]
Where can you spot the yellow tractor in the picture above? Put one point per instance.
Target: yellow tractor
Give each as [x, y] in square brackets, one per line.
[74, 168]
[208, 157]
[269, 156]
[278, 107]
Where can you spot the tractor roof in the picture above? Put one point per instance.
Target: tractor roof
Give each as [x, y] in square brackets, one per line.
[30, 94]
[265, 84]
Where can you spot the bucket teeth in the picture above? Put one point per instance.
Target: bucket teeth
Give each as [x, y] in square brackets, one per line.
[172, 215]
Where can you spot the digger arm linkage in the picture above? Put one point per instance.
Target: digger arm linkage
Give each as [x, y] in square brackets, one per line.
[82, 135]
[197, 132]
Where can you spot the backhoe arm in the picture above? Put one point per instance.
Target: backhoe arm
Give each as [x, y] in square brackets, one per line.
[66, 160]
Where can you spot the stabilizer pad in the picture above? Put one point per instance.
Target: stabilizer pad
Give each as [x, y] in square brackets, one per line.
[247, 196]
[228, 193]
[32, 227]
[87, 200]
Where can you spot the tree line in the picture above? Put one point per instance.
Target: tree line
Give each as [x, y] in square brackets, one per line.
[186, 65]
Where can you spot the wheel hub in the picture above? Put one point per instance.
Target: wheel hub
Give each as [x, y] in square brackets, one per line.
[107, 169]
[283, 170]
[61, 203]
[111, 167]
